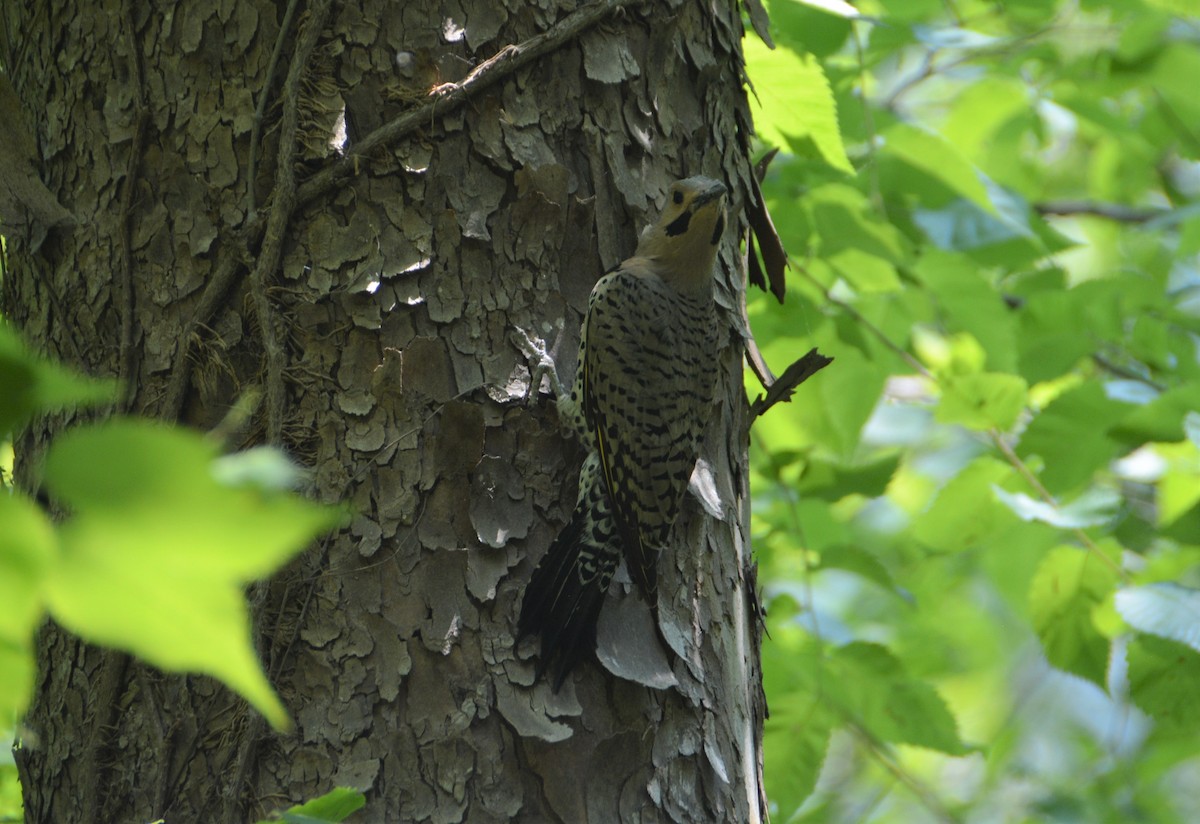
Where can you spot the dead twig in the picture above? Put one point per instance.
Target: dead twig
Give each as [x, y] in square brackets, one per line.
[781, 389]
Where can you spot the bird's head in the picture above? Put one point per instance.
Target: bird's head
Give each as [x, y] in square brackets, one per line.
[682, 244]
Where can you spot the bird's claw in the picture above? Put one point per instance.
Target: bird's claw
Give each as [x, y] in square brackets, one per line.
[541, 363]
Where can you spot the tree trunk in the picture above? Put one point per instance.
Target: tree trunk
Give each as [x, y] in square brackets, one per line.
[367, 285]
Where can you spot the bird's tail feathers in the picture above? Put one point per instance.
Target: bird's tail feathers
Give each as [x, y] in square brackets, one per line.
[562, 601]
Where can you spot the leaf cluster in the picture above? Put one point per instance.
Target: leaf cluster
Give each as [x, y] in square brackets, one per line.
[979, 529]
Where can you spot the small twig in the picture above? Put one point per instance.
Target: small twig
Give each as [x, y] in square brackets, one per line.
[782, 388]
[1111, 211]
[1128, 374]
[260, 111]
[141, 117]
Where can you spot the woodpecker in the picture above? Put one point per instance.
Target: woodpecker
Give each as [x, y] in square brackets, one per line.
[640, 400]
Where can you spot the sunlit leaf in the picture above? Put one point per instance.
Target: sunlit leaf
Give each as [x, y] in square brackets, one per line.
[985, 400]
[1094, 507]
[28, 548]
[965, 511]
[879, 694]
[157, 551]
[1164, 609]
[792, 103]
[930, 153]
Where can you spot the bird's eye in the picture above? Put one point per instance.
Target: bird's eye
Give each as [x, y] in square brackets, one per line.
[677, 196]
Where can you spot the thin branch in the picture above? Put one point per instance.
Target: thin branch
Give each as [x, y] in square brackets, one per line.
[884, 756]
[223, 279]
[141, 117]
[260, 111]
[782, 388]
[1123, 372]
[1112, 211]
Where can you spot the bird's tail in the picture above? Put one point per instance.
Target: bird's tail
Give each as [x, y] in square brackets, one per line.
[562, 601]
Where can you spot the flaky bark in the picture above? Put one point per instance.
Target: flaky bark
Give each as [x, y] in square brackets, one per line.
[371, 299]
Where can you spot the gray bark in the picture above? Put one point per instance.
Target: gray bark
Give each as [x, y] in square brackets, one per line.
[371, 298]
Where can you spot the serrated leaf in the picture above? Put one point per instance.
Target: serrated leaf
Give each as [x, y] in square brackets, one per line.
[1069, 585]
[796, 736]
[157, 551]
[1162, 682]
[1164, 609]
[877, 692]
[792, 103]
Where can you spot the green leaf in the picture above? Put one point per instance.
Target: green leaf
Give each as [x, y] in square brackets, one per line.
[796, 735]
[1162, 682]
[335, 806]
[982, 401]
[981, 109]
[28, 549]
[843, 220]
[1160, 420]
[1071, 452]
[157, 550]
[860, 562]
[878, 693]
[1069, 586]
[1164, 609]
[968, 303]
[928, 152]
[965, 511]
[833, 480]
[792, 103]
[29, 384]
[1179, 485]
[1094, 507]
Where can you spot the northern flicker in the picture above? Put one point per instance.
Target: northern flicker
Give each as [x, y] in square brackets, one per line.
[641, 397]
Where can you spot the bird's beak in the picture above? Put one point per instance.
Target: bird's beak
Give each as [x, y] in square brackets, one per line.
[716, 190]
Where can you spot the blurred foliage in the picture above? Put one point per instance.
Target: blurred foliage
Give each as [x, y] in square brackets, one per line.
[979, 528]
[161, 535]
